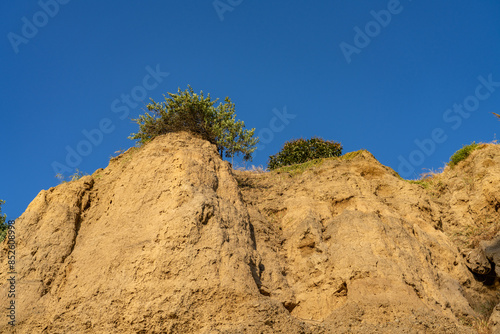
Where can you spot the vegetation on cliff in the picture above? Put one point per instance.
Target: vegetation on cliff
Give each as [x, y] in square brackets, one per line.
[302, 150]
[3, 225]
[463, 153]
[195, 113]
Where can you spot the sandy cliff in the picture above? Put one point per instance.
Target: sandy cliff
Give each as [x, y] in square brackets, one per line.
[169, 239]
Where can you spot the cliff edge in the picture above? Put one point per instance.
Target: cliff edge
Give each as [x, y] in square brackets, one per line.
[170, 239]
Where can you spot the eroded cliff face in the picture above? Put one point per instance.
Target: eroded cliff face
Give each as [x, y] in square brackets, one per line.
[169, 239]
[366, 251]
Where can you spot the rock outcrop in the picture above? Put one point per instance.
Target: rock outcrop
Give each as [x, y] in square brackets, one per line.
[170, 239]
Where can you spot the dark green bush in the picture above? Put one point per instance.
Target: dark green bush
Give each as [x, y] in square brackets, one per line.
[462, 153]
[301, 150]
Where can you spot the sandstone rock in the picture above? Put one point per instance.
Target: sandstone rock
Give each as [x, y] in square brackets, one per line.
[491, 249]
[477, 261]
[169, 239]
[470, 197]
[494, 320]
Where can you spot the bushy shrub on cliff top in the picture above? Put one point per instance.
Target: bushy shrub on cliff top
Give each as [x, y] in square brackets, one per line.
[301, 150]
[188, 111]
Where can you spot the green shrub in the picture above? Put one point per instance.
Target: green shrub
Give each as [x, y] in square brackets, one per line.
[462, 154]
[301, 150]
[188, 111]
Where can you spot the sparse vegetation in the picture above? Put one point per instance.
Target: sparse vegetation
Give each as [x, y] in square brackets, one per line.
[480, 324]
[124, 157]
[188, 111]
[351, 155]
[424, 183]
[78, 174]
[462, 154]
[300, 168]
[3, 225]
[117, 154]
[299, 151]
[252, 168]
[471, 235]
[431, 181]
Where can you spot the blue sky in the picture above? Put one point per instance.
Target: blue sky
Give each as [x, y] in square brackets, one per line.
[410, 81]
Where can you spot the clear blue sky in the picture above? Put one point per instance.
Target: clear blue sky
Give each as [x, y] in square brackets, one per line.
[378, 75]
